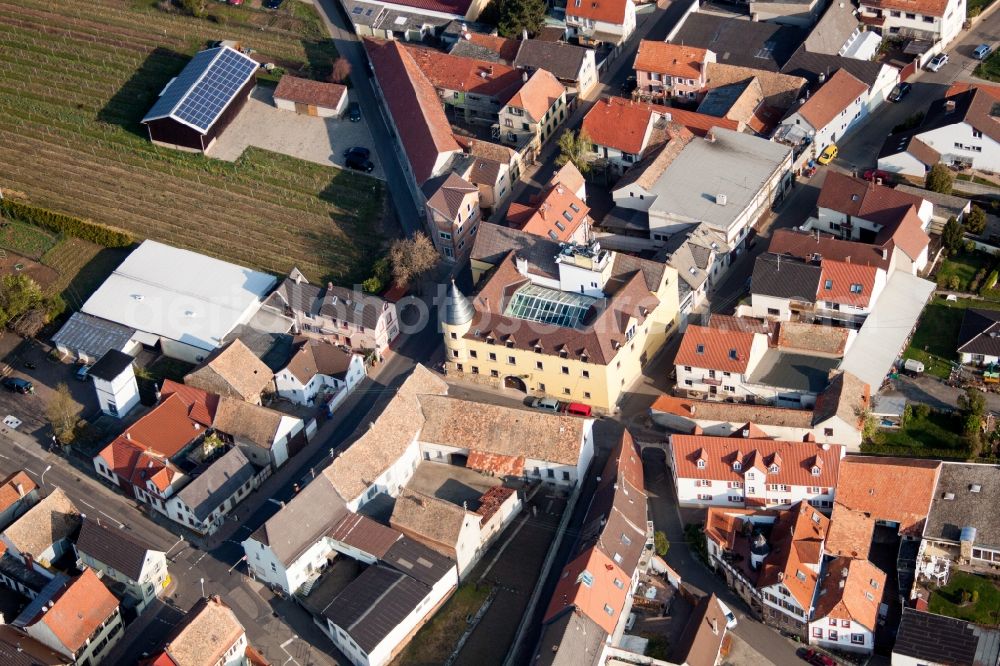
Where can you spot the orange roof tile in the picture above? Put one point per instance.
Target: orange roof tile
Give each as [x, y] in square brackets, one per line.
[77, 612]
[925, 7]
[468, 75]
[892, 489]
[715, 349]
[700, 123]
[537, 95]
[850, 532]
[607, 11]
[847, 283]
[670, 59]
[910, 236]
[505, 48]
[307, 91]
[167, 428]
[618, 123]
[588, 583]
[833, 97]
[851, 589]
[722, 524]
[201, 404]
[495, 464]
[795, 467]
[796, 546]
[9, 493]
[569, 176]
[963, 86]
[558, 215]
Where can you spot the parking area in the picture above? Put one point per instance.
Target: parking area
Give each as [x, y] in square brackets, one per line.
[320, 140]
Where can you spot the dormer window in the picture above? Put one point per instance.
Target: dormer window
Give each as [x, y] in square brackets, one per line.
[855, 288]
[563, 353]
[815, 471]
[700, 349]
[701, 464]
[773, 469]
[510, 344]
[737, 465]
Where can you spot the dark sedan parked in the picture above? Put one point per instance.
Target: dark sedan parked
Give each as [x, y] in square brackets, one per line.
[900, 91]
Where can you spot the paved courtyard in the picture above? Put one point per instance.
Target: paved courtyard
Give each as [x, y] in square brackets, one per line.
[320, 140]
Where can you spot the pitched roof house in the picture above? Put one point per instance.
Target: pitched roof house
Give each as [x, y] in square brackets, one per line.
[846, 613]
[208, 633]
[665, 70]
[123, 558]
[827, 115]
[928, 638]
[600, 21]
[573, 65]
[18, 493]
[736, 41]
[43, 533]
[979, 336]
[232, 371]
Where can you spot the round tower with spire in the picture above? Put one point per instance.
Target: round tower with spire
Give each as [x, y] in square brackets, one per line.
[456, 320]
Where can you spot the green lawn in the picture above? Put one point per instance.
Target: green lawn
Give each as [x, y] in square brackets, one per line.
[948, 599]
[964, 265]
[25, 239]
[976, 7]
[936, 336]
[437, 639]
[936, 435]
[989, 69]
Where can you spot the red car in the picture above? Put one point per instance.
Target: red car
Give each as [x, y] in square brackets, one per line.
[877, 174]
[817, 658]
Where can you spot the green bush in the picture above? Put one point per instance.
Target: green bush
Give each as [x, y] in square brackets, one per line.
[954, 283]
[660, 543]
[991, 281]
[65, 224]
[921, 410]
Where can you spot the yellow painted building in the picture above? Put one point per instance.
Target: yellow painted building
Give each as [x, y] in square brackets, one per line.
[571, 322]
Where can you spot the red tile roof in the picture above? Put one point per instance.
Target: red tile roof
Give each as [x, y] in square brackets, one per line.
[458, 73]
[910, 236]
[557, 216]
[833, 97]
[851, 589]
[670, 59]
[9, 493]
[846, 283]
[588, 583]
[201, 404]
[414, 104]
[620, 123]
[607, 11]
[495, 464]
[805, 246]
[700, 123]
[491, 501]
[307, 91]
[795, 467]
[893, 489]
[925, 7]
[79, 610]
[715, 349]
[963, 86]
[858, 198]
[723, 524]
[796, 546]
[451, 7]
[505, 48]
[537, 95]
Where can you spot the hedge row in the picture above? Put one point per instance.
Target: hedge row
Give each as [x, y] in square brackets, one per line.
[65, 224]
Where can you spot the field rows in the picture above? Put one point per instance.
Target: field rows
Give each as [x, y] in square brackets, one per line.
[75, 79]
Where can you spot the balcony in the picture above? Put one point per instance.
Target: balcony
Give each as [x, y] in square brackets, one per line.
[710, 381]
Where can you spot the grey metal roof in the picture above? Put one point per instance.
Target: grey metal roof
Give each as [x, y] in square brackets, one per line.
[363, 13]
[718, 101]
[204, 88]
[892, 405]
[733, 164]
[784, 278]
[217, 483]
[92, 335]
[945, 205]
[457, 308]
[113, 547]
[976, 491]
[374, 603]
[418, 561]
[563, 60]
[980, 332]
[931, 638]
[736, 41]
[467, 49]
[112, 364]
[798, 372]
[832, 31]
[571, 639]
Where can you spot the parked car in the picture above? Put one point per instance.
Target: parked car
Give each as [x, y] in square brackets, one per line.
[982, 52]
[900, 91]
[358, 150]
[359, 163]
[817, 658]
[828, 155]
[937, 62]
[548, 404]
[729, 615]
[577, 409]
[873, 175]
[354, 112]
[18, 385]
[272, 4]
[83, 373]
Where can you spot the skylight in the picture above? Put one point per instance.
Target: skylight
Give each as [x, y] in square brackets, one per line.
[549, 306]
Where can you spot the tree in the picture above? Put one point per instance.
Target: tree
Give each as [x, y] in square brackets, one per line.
[951, 236]
[18, 295]
[491, 13]
[660, 543]
[573, 147]
[63, 412]
[975, 223]
[516, 16]
[972, 402]
[940, 179]
[412, 258]
[340, 70]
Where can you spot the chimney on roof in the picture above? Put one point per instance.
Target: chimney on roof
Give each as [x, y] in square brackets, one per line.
[128, 435]
[20, 489]
[885, 253]
[949, 105]
[715, 626]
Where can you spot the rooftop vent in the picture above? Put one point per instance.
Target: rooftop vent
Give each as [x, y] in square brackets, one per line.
[948, 496]
[721, 199]
[949, 105]
[975, 488]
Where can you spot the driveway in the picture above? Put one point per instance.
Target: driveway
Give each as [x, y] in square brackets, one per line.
[263, 125]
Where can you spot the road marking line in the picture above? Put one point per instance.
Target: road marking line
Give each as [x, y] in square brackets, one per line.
[111, 518]
[4, 457]
[31, 471]
[86, 504]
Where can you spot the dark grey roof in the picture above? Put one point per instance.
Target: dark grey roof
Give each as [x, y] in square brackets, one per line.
[466, 49]
[217, 483]
[784, 278]
[975, 492]
[341, 303]
[760, 45]
[204, 88]
[274, 349]
[45, 595]
[931, 638]
[718, 101]
[363, 13]
[832, 31]
[626, 220]
[561, 59]
[799, 372]
[980, 332]
[945, 205]
[92, 335]
[113, 547]
[300, 523]
[457, 308]
[811, 65]
[571, 639]
[418, 561]
[371, 606]
[493, 242]
[16, 649]
[15, 570]
[112, 364]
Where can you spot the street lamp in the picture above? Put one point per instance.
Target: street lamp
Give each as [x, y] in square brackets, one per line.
[42, 479]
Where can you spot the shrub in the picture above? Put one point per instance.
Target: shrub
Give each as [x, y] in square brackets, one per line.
[660, 543]
[940, 179]
[976, 220]
[907, 415]
[65, 224]
[975, 596]
[921, 410]
[991, 280]
[954, 283]
[965, 596]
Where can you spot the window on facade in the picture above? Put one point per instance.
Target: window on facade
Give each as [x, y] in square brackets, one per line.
[817, 632]
[475, 369]
[585, 374]
[493, 356]
[494, 373]
[541, 387]
[566, 391]
[832, 634]
[473, 353]
[858, 639]
[512, 360]
[586, 394]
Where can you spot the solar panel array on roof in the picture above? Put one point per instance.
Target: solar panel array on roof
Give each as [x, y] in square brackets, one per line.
[204, 88]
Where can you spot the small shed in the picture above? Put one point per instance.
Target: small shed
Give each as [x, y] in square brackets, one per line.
[888, 410]
[115, 384]
[202, 100]
[311, 98]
